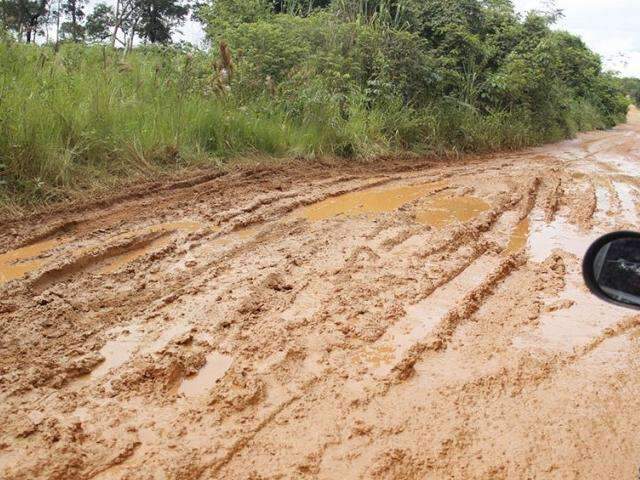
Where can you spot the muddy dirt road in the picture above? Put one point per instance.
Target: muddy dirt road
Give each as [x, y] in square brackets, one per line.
[423, 321]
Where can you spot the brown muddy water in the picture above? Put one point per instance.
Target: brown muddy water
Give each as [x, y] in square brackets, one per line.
[199, 384]
[370, 201]
[435, 209]
[519, 238]
[17, 263]
[21, 261]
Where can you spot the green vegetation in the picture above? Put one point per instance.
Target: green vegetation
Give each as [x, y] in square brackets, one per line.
[631, 87]
[287, 78]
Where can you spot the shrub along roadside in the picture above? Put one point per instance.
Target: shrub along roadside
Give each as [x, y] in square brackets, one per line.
[451, 77]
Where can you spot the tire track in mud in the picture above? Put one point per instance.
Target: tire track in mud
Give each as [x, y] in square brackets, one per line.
[147, 198]
[293, 306]
[552, 199]
[621, 328]
[298, 200]
[501, 380]
[471, 301]
[94, 262]
[524, 377]
[137, 193]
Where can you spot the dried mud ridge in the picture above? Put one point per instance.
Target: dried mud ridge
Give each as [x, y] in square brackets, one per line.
[411, 321]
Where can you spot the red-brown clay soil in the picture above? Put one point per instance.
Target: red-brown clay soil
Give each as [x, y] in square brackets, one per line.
[407, 320]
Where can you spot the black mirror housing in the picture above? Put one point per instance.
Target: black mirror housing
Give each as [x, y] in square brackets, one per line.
[611, 269]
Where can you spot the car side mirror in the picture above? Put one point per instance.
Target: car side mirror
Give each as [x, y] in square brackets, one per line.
[611, 269]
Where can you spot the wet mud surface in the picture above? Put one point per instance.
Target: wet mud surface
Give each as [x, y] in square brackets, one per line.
[413, 320]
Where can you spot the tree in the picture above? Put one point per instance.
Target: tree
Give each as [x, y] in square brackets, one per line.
[122, 21]
[631, 87]
[158, 18]
[100, 22]
[151, 20]
[222, 14]
[74, 10]
[24, 17]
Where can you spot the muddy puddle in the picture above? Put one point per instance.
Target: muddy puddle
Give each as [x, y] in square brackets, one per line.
[117, 352]
[119, 261]
[572, 319]
[244, 233]
[213, 370]
[604, 203]
[370, 201]
[559, 234]
[541, 238]
[441, 211]
[116, 262]
[436, 211]
[519, 237]
[19, 262]
[130, 340]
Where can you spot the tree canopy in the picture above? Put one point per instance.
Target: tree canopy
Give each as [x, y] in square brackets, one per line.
[478, 53]
[153, 21]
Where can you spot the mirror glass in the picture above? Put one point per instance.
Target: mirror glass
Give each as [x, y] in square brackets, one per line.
[616, 268]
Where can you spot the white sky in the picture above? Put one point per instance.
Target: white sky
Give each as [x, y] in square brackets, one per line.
[611, 28]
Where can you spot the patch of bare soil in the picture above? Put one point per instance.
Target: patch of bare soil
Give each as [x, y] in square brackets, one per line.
[397, 322]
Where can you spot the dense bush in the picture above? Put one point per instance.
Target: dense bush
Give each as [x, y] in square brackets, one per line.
[631, 87]
[343, 78]
[431, 54]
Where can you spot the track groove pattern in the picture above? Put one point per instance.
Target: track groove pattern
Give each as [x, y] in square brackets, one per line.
[444, 334]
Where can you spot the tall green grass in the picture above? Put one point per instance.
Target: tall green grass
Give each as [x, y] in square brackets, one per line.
[82, 117]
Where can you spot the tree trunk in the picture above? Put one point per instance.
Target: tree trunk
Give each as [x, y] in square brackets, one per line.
[74, 23]
[58, 23]
[116, 27]
[133, 33]
[32, 26]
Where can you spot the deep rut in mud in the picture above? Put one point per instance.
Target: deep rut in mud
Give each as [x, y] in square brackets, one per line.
[406, 321]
